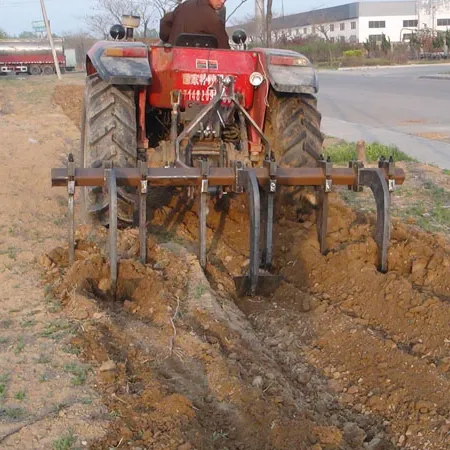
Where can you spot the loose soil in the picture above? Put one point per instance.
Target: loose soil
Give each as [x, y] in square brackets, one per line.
[339, 357]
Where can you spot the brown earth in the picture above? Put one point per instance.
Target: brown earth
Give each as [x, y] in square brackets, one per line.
[340, 357]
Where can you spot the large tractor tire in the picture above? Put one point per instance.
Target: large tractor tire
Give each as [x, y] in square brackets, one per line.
[108, 133]
[293, 129]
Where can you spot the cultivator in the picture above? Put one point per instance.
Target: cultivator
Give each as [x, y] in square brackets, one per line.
[198, 115]
[260, 186]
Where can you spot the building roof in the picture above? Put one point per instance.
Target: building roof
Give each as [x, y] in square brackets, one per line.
[340, 13]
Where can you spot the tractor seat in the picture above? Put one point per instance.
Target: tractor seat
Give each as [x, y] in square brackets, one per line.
[196, 40]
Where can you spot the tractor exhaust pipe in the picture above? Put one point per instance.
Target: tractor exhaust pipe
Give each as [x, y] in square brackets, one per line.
[130, 23]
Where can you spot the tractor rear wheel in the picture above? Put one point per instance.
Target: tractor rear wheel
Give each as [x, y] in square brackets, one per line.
[108, 133]
[293, 128]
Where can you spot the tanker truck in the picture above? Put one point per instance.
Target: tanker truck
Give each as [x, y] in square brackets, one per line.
[30, 56]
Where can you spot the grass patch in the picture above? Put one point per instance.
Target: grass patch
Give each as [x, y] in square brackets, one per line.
[20, 395]
[343, 152]
[54, 305]
[65, 442]
[219, 435]
[4, 340]
[3, 385]
[71, 349]
[200, 290]
[79, 373]
[44, 378]
[12, 253]
[446, 171]
[19, 346]
[56, 330]
[434, 214]
[28, 323]
[6, 324]
[12, 413]
[43, 359]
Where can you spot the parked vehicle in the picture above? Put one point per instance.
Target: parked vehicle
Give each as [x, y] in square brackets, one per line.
[30, 56]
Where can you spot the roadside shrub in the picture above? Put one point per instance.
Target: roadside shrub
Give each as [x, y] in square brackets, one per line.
[342, 152]
[353, 53]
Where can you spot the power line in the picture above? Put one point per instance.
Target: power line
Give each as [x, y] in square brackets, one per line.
[18, 3]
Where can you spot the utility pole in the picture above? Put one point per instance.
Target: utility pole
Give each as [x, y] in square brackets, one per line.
[50, 39]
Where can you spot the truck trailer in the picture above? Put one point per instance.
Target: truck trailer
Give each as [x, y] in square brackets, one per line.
[30, 56]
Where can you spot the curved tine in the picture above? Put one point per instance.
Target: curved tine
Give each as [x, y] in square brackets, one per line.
[269, 230]
[322, 220]
[112, 187]
[376, 181]
[143, 213]
[254, 201]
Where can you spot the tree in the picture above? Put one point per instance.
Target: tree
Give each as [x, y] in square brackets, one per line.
[164, 6]
[81, 42]
[324, 30]
[3, 34]
[269, 17]
[371, 46]
[111, 11]
[438, 41]
[385, 44]
[27, 35]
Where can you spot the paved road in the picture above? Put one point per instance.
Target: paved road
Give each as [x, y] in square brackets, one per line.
[392, 106]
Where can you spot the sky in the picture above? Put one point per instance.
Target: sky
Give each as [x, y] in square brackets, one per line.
[69, 15]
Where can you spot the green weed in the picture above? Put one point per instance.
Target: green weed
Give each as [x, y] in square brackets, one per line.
[12, 413]
[12, 253]
[65, 442]
[343, 152]
[3, 385]
[79, 373]
[44, 378]
[20, 345]
[56, 330]
[200, 290]
[219, 435]
[71, 349]
[6, 323]
[43, 359]
[28, 323]
[20, 395]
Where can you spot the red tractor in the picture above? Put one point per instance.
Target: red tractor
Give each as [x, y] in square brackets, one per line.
[215, 122]
[179, 105]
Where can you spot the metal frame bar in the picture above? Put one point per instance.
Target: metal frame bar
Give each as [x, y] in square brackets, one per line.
[183, 175]
[239, 179]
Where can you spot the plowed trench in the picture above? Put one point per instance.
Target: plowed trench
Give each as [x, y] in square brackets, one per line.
[384, 338]
[340, 356]
[180, 365]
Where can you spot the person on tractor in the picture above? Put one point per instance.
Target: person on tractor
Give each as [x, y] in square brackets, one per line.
[196, 17]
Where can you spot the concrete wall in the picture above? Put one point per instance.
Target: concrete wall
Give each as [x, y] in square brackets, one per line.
[336, 34]
[392, 12]
[394, 26]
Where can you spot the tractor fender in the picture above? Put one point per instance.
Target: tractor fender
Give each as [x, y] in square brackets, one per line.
[300, 78]
[120, 70]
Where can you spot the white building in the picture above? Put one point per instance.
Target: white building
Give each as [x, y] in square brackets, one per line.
[359, 21]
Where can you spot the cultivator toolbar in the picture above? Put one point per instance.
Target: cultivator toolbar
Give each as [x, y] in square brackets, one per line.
[259, 184]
